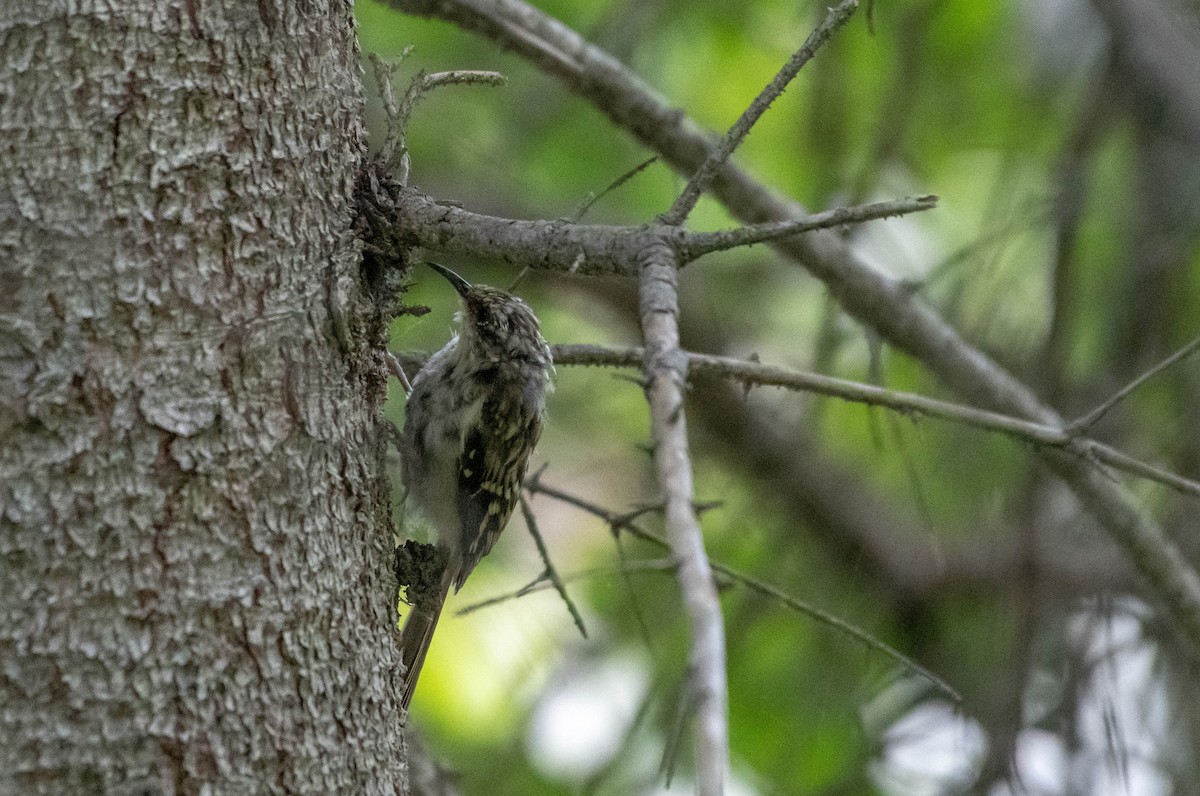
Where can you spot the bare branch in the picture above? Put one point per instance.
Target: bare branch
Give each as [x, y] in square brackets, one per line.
[392, 153]
[799, 606]
[423, 83]
[701, 243]
[586, 205]
[666, 372]
[1091, 418]
[838, 623]
[591, 249]
[756, 373]
[551, 572]
[548, 245]
[683, 709]
[397, 370]
[720, 153]
[1123, 461]
[542, 583]
[1039, 434]
[623, 567]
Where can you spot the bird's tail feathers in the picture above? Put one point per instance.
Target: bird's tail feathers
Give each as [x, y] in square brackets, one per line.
[416, 636]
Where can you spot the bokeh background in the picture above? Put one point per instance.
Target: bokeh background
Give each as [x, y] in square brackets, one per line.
[1063, 139]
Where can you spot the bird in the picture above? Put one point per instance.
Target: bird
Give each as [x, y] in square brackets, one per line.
[473, 418]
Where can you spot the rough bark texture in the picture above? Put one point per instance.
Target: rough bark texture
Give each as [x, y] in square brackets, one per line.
[194, 536]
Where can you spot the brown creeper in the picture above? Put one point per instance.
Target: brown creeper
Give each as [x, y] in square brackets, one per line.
[473, 418]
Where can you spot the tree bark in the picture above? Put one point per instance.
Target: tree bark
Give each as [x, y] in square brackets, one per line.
[194, 526]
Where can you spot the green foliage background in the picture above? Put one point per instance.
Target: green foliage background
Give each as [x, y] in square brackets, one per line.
[984, 104]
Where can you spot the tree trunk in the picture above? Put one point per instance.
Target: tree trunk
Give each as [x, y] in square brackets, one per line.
[195, 543]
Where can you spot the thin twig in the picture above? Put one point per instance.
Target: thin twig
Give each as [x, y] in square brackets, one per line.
[704, 175]
[1126, 463]
[623, 570]
[395, 151]
[397, 370]
[551, 572]
[842, 625]
[542, 582]
[1091, 418]
[697, 244]
[623, 753]
[623, 567]
[423, 83]
[587, 203]
[392, 153]
[683, 709]
[800, 606]
[518, 279]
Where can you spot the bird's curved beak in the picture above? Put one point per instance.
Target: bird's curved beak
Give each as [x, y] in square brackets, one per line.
[460, 284]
